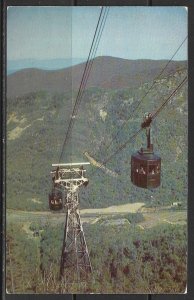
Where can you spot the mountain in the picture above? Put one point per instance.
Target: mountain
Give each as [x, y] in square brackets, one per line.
[107, 73]
[37, 123]
[43, 64]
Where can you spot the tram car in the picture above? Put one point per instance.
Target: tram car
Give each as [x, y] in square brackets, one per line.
[55, 200]
[145, 164]
[145, 169]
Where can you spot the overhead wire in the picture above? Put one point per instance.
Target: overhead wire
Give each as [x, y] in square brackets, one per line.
[86, 65]
[168, 98]
[95, 50]
[93, 53]
[92, 59]
[95, 42]
[86, 73]
[154, 115]
[141, 100]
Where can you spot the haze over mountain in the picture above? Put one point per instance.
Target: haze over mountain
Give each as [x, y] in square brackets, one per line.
[43, 64]
[107, 73]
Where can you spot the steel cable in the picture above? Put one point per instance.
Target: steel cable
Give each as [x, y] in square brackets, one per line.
[85, 75]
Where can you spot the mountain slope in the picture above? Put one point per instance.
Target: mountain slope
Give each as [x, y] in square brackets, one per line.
[44, 64]
[107, 73]
[36, 127]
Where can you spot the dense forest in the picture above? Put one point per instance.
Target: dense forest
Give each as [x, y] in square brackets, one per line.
[124, 259]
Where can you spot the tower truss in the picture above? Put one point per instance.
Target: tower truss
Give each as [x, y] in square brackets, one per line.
[75, 265]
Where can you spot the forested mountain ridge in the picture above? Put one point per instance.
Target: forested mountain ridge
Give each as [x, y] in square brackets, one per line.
[107, 73]
[36, 127]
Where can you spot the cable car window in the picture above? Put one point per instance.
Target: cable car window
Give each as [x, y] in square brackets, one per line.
[152, 169]
[142, 170]
[157, 169]
[58, 201]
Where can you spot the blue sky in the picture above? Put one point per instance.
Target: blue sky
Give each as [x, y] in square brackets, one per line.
[67, 32]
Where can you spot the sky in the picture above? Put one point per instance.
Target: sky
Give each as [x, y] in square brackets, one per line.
[66, 32]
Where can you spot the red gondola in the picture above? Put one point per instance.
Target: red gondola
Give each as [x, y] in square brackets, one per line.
[145, 165]
[55, 200]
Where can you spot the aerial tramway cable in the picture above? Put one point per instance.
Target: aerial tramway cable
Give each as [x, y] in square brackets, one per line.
[90, 66]
[87, 69]
[82, 90]
[154, 115]
[91, 59]
[96, 44]
[167, 100]
[138, 104]
[76, 101]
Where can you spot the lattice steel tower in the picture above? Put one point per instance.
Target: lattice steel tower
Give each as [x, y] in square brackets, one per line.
[75, 265]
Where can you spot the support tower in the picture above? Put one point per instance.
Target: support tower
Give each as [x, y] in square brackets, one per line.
[75, 263]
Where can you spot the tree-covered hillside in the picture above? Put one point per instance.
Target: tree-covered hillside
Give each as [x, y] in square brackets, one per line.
[125, 259]
[36, 127]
